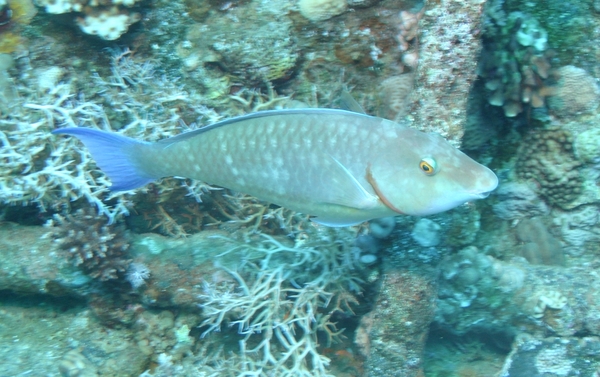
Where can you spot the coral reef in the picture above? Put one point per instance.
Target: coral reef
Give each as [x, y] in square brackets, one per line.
[391, 335]
[576, 92]
[552, 300]
[14, 15]
[54, 173]
[579, 231]
[481, 293]
[278, 287]
[108, 24]
[587, 146]
[286, 300]
[515, 61]
[517, 200]
[160, 332]
[409, 27]
[465, 272]
[447, 67]
[321, 10]
[395, 95]
[552, 356]
[100, 250]
[251, 52]
[106, 19]
[382, 228]
[546, 158]
[426, 232]
[538, 246]
[137, 274]
[569, 29]
[74, 342]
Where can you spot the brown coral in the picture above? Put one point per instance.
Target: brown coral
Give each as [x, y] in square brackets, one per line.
[394, 94]
[518, 83]
[576, 92]
[99, 249]
[538, 245]
[546, 158]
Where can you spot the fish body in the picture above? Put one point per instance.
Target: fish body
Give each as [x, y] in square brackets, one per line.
[340, 166]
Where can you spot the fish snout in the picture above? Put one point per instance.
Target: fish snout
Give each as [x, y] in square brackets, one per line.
[485, 187]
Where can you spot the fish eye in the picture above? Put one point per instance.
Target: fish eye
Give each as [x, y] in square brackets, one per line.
[428, 166]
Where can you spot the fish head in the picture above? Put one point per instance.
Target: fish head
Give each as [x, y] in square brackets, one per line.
[424, 174]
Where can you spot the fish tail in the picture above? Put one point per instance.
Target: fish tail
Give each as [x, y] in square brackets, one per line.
[115, 155]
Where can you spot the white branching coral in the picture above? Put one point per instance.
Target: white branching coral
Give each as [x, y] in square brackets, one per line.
[281, 297]
[40, 168]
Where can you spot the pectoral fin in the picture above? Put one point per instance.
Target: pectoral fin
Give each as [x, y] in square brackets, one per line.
[345, 189]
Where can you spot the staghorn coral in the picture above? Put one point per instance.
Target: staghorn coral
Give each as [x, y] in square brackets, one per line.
[282, 297]
[54, 173]
[100, 250]
[546, 159]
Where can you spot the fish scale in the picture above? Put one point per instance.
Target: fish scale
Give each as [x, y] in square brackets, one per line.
[340, 166]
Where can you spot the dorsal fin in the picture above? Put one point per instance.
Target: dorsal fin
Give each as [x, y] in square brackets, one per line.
[349, 103]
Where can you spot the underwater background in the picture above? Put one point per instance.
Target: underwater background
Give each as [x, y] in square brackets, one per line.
[183, 279]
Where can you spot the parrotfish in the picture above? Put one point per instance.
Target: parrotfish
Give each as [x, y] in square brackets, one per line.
[338, 166]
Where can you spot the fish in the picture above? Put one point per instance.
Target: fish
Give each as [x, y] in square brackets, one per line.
[340, 167]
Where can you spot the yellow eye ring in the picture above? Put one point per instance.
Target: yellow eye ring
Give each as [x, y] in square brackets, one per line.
[428, 166]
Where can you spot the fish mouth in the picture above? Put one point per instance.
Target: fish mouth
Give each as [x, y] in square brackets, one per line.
[483, 195]
[480, 195]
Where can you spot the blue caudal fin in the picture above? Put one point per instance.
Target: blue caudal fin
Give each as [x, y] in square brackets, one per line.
[114, 154]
